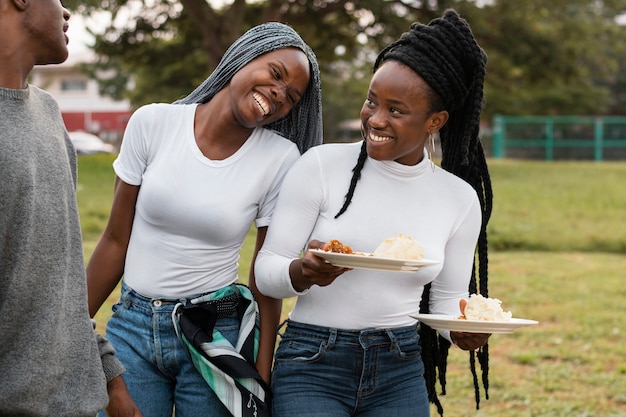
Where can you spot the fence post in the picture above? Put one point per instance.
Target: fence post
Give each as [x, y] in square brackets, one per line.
[597, 138]
[549, 138]
[497, 137]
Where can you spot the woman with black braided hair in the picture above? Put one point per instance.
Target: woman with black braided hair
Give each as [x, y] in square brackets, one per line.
[350, 347]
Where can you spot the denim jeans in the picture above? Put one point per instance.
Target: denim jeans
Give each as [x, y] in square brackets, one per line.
[159, 373]
[326, 372]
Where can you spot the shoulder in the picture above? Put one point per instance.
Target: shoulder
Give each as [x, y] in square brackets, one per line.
[333, 159]
[161, 110]
[333, 153]
[454, 186]
[268, 142]
[272, 139]
[36, 91]
[43, 96]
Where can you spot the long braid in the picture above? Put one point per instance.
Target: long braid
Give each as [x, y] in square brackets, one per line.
[356, 176]
[445, 54]
[430, 355]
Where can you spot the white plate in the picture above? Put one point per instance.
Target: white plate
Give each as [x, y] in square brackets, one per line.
[453, 323]
[368, 261]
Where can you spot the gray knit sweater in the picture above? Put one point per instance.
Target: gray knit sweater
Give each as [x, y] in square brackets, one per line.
[51, 361]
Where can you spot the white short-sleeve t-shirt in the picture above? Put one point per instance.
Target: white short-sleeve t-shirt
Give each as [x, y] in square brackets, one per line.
[193, 213]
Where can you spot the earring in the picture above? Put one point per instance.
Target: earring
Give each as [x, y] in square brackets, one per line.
[363, 133]
[431, 149]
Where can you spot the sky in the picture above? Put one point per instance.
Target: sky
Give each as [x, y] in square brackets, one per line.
[79, 37]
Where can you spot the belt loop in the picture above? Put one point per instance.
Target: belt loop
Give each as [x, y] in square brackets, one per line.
[391, 335]
[125, 291]
[125, 295]
[280, 327]
[332, 337]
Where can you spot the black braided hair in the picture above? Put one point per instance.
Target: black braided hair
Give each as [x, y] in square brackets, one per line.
[445, 54]
[355, 178]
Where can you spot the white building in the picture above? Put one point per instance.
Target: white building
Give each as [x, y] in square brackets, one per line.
[82, 106]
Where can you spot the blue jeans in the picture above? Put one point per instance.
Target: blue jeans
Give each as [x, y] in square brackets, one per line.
[159, 373]
[326, 372]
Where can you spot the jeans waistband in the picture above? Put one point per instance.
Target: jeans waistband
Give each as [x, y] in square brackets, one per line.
[369, 336]
[226, 306]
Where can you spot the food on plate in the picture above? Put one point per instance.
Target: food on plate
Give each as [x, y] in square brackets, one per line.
[400, 247]
[336, 246]
[484, 309]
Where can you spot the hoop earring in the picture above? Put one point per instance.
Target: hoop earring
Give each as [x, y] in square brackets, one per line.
[430, 146]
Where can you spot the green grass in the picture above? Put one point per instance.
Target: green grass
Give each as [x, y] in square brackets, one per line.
[94, 193]
[572, 363]
[558, 240]
[564, 206]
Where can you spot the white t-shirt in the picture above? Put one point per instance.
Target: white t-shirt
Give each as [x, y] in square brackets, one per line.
[436, 208]
[193, 213]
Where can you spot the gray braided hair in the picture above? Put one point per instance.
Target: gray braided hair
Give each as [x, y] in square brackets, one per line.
[303, 125]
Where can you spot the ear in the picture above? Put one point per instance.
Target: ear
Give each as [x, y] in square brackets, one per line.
[437, 120]
[21, 5]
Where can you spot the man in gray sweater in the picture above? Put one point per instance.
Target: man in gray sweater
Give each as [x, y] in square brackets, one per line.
[52, 363]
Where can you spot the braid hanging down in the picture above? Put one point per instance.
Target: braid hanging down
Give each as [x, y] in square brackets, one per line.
[355, 178]
[445, 54]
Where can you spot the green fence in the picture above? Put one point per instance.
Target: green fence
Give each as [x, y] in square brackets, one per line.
[559, 137]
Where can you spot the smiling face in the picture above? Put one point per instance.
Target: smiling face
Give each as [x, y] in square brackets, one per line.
[266, 89]
[397, 116]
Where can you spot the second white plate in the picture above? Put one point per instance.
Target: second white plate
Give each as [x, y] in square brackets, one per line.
[368, 261]
[453, 323]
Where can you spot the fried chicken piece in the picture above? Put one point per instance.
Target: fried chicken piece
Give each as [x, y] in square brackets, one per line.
[336, 246]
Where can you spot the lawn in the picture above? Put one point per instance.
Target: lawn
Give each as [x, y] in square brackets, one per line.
[557, 243]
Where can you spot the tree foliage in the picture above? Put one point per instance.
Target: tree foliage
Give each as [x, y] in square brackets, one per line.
[551, 57]
[544, 56]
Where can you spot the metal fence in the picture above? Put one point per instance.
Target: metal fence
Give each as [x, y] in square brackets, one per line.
[559, 137]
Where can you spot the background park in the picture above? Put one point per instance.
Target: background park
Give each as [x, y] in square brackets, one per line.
[557, 235]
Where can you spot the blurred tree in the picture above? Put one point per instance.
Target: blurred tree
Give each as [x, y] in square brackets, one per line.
[551, 57]
[159, 50]
[545, 56]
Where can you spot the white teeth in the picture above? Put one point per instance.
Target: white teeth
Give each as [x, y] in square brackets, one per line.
[263, 105]
[375, 138]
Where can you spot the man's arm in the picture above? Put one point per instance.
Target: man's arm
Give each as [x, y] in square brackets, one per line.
[120, 402]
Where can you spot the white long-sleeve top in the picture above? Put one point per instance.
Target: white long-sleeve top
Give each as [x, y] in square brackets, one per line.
[434, 207]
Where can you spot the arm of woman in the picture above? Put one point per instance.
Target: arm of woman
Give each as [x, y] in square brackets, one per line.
[269, 312]
[106, 265]
[451, 285]
[282, 270]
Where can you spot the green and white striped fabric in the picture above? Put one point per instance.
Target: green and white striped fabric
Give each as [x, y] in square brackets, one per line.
[229, 370]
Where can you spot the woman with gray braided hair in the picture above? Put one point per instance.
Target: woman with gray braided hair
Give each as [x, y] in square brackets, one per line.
[350, 346]
[191, 178]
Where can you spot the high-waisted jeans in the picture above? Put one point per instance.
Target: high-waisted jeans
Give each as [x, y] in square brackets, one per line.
[326, 372]
[159, 372]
